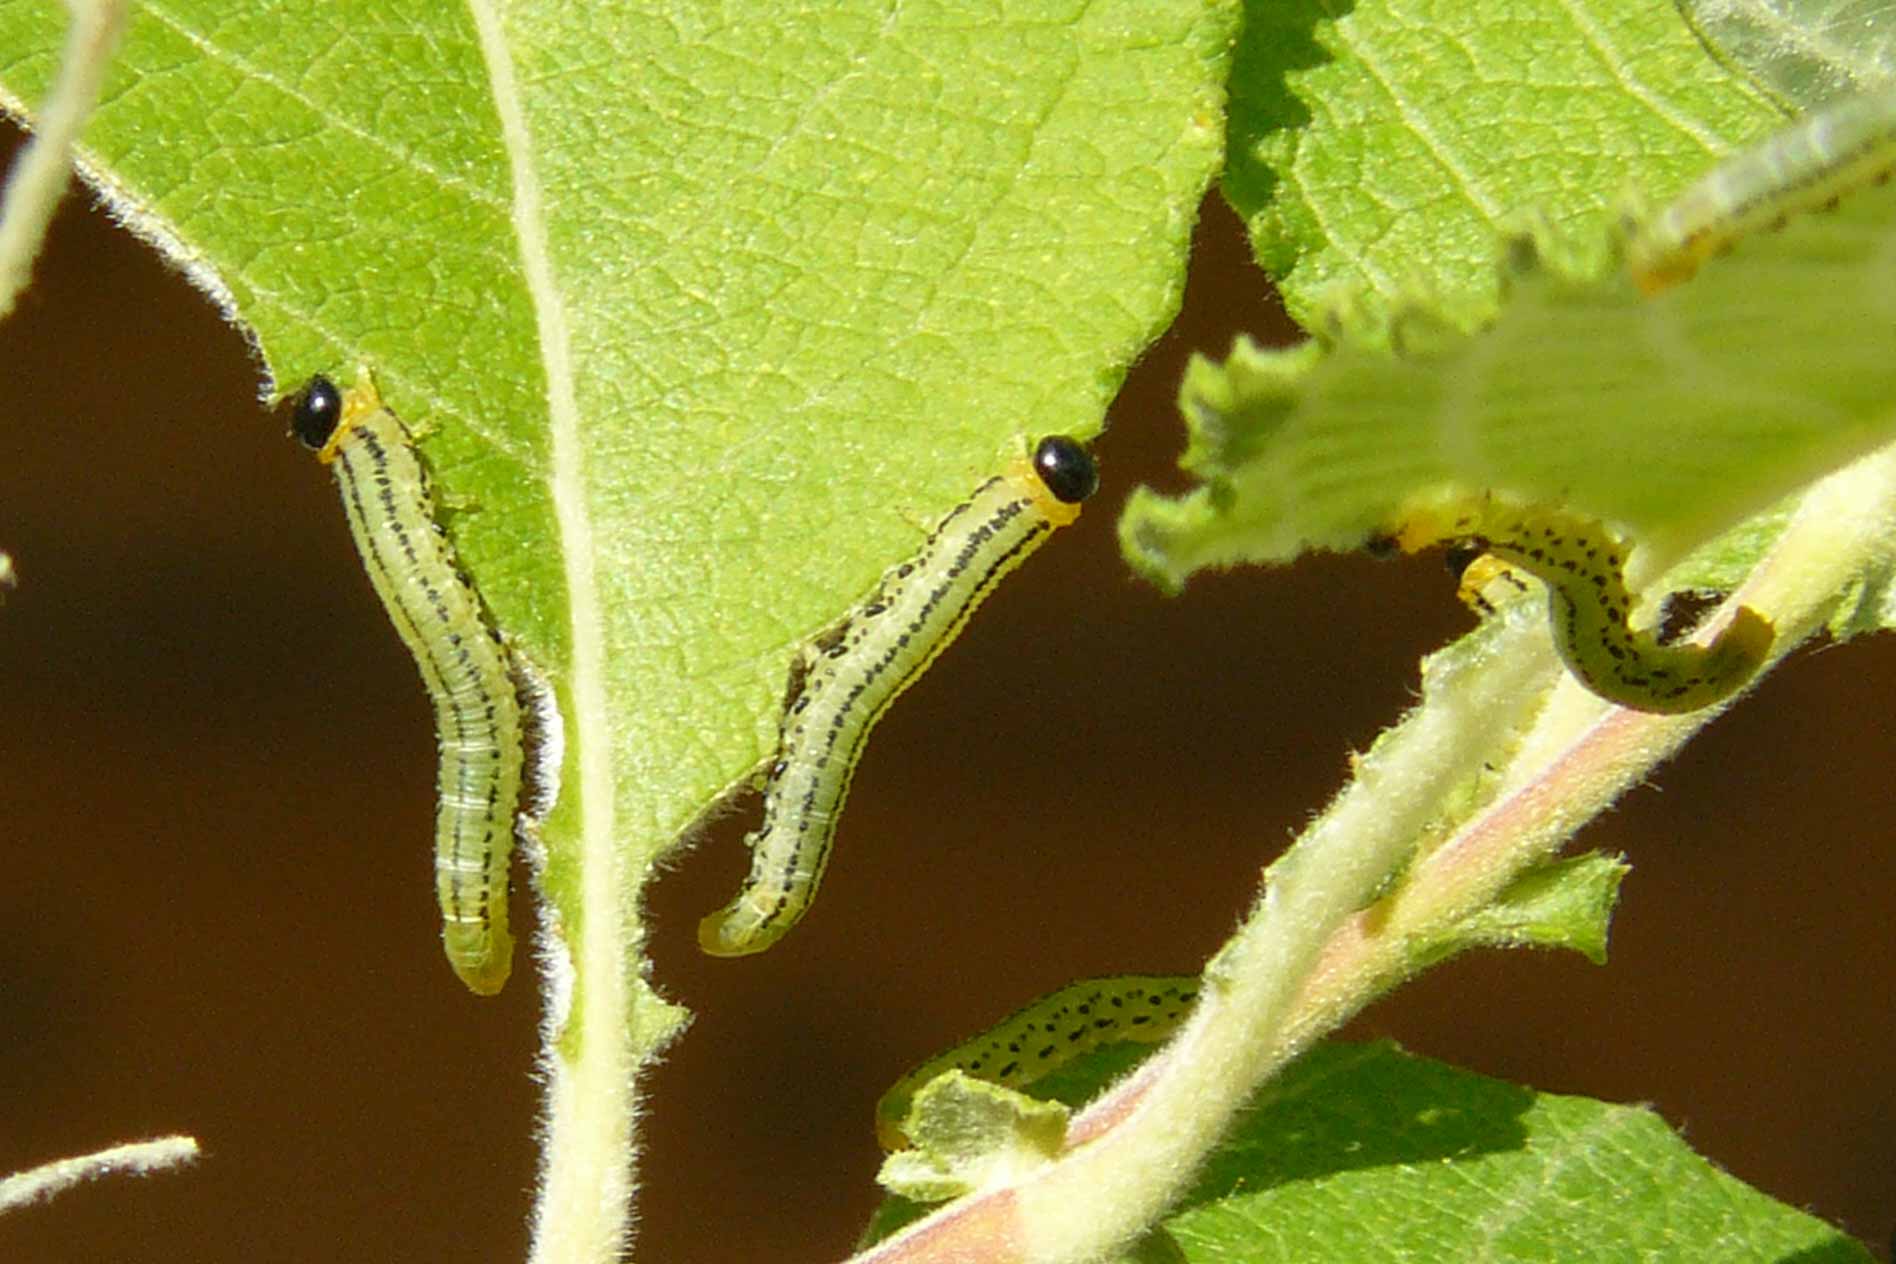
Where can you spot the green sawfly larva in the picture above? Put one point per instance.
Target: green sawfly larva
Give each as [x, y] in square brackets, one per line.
[1040, 1037]
[473, 679]
[841, 684]
[1809, 165]
[1582, 566]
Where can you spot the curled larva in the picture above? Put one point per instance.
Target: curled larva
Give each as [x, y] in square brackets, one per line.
[1582, 566]
[468, 671]
[1808, 165]
[841, 684]
[1038, 1038]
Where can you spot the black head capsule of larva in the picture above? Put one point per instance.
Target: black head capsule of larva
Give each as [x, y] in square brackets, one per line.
[318, 409]
[1066, 468]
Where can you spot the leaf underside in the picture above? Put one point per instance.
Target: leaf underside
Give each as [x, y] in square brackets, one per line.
[704, 317]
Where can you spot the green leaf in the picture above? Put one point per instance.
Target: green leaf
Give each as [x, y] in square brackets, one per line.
[1805, 51]
[805, 280]
[1364, 1152]
[1157, 1247]
[1672, 417]
[706, 314]
[1566, 903]
[1379, 156]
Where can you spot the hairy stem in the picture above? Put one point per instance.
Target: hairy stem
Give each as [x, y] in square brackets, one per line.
[1310, 956]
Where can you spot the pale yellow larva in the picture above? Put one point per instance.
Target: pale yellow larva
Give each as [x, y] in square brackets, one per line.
[841, 685]
[468, 671]
[1810, 164]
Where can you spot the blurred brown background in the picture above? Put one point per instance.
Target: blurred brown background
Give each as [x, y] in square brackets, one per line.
[216, 913]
